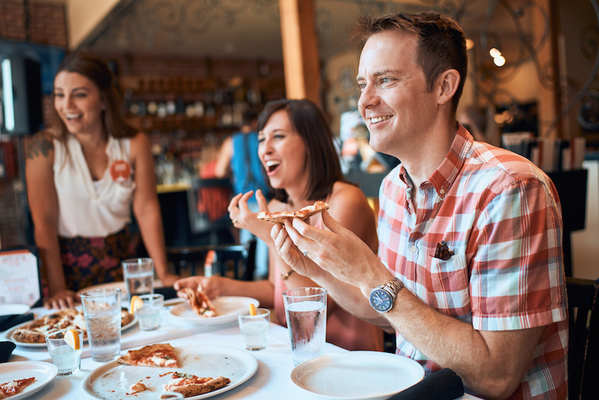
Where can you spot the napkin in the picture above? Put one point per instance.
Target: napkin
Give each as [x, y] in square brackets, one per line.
[10, 320]
[6, 349]
[441, 385]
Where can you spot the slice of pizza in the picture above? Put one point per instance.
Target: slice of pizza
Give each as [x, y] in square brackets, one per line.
[302, 213]
[11, 388]
[136, 388]
[199, 302]
[191, 385]
[154, 355]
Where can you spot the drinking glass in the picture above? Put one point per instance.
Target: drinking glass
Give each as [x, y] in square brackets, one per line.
[139, 276]
[254, 329]
[66, 358]
[150, 315]
[306, 314]
[102, 311]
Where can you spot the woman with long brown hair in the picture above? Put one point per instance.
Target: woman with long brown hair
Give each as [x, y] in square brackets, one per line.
[297, 152]
[82, 175]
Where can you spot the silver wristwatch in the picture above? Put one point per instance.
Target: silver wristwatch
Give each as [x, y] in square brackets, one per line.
[382, 298]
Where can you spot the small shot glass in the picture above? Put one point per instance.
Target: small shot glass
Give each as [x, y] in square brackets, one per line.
[150, 315]
[254, 329]
[66, 358]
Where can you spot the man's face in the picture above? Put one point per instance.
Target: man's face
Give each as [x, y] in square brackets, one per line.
[394, 100]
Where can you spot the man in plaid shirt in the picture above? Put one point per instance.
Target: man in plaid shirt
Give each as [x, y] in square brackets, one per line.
[469, 272]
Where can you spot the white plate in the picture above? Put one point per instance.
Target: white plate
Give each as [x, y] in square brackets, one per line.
[227, 308]
[43, 372]
[357, 375]
[113, 380]
[7, 309]
[9, 333]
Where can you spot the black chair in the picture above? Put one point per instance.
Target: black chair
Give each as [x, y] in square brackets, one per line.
[583, 354]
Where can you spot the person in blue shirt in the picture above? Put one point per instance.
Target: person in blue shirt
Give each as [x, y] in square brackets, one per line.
[238, 158]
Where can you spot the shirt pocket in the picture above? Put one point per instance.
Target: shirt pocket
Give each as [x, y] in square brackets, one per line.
[449, 281]
[123, 195]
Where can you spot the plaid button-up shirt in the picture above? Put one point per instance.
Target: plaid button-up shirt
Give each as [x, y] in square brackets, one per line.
[500, 217]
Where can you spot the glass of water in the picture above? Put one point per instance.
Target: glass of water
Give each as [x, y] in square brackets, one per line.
[102, 311]
[150, 315]
[66, 357]
[306, 314]
[139, 276]
[254, 329]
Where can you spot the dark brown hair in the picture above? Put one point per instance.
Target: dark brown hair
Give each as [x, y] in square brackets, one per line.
[441, 43]
[322, 160]
[96, 71]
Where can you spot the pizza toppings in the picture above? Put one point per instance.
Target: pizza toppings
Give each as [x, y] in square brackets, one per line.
[154, 355]
[198, 301]
[14, 387]
[302, 213]
[136, 388]
[191, 385]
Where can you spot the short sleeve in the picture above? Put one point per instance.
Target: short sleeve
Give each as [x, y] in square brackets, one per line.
[517, 279]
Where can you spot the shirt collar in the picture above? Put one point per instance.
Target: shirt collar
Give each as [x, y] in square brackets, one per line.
[444, 176]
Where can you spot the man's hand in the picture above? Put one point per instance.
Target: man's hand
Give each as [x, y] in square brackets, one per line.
[335, 249]
[63, 299]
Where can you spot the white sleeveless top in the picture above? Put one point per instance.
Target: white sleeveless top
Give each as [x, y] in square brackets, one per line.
[90, 208]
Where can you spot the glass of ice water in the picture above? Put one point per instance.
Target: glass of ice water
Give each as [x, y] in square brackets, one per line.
[139, 276]
[66, 356]
[102, 311]
[306, 314]
[254, 329]
[150, 315]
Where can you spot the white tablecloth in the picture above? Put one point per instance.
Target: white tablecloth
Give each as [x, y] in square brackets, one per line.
[271, 381]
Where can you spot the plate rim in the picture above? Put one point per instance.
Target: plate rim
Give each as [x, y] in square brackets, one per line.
[296, 369]
[225, 350]
[219, 319]
[49, 378]
[8, 334]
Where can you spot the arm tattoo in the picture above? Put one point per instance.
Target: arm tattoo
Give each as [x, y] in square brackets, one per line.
[39, 145]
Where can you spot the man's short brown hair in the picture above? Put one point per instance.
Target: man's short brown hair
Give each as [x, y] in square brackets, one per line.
[441, 43]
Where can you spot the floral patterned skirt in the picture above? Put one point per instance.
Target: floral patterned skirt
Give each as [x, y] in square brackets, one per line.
[91, 261]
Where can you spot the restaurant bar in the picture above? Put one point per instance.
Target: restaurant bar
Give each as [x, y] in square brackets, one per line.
[340, 199]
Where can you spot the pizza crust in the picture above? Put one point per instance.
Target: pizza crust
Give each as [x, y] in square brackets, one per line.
[155, 355]
[14, 387]
[302, 213]
[200, 303]
[192, 385]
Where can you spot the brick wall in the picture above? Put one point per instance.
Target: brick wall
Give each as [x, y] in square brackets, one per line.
[34, 21]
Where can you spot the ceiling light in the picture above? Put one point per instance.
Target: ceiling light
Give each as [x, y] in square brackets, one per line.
[499, 61]
[469, 44]
[494, 52]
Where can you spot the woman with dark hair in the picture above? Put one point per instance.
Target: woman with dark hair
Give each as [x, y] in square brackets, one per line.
[297, 152]
[82, 175]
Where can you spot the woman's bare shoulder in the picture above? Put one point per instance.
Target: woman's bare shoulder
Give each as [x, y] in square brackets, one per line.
[276, 205]
[346, 194]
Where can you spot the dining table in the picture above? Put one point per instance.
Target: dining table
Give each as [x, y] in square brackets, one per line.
[271, 380]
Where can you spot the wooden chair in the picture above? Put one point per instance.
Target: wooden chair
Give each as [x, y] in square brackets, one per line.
[583, 353]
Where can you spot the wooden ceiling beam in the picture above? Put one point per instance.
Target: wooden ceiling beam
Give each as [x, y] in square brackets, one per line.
[300, 49]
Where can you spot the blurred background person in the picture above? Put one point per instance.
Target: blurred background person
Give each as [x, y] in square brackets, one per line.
[83, 174]
[297, 151]
[238, 158]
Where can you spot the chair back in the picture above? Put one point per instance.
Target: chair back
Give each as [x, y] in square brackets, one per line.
[207, 201]
[583, 353]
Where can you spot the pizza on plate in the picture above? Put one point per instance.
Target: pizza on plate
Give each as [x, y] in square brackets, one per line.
[154, 355]
[303, 213]
[198, 300]
[14, 387]
[191, 385]
[70, 318]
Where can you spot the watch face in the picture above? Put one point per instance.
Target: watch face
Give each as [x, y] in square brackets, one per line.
[381, 300]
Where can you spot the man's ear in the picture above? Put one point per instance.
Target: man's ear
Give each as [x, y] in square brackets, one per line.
[447, 84]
